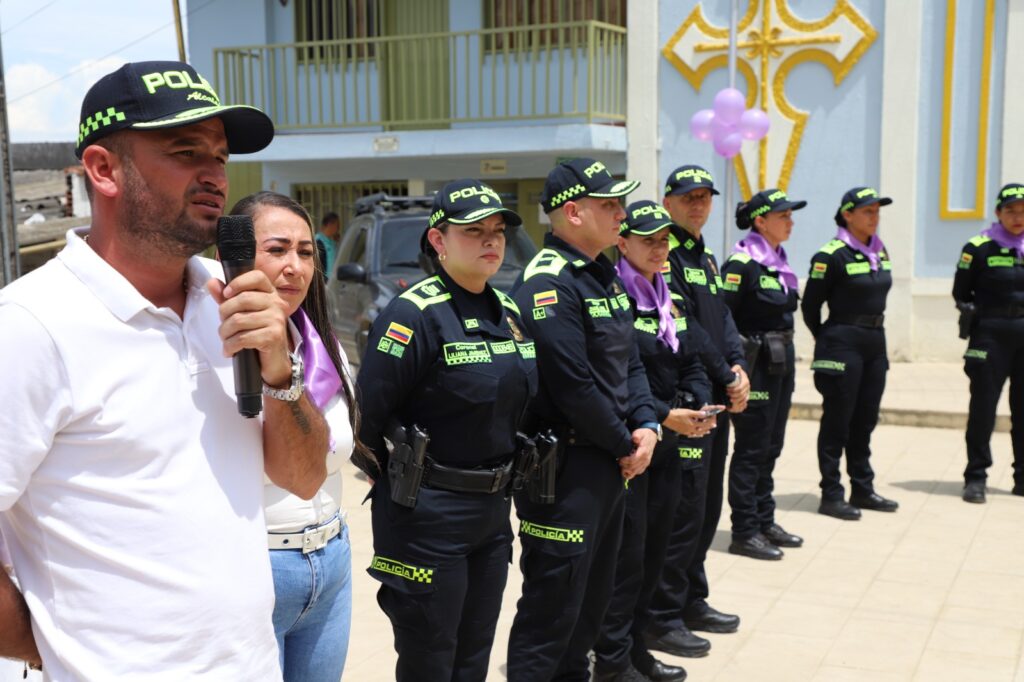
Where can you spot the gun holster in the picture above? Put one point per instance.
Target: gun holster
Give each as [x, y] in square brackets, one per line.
[968, 314]
[541, 486]
[751, 349]
[775, 345]
[406, 462]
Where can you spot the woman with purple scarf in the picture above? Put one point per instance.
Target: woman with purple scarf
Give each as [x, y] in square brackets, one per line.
[989, 287]
[853, 274]
[671, 347]
[309, 544]
[761, 291]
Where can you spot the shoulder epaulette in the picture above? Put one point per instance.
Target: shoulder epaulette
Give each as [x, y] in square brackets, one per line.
[832, 246]
[978, 240]
[676, 297]
[546, 262]
[740, 258]
[707, 250]
[507, 301]
[426, 293]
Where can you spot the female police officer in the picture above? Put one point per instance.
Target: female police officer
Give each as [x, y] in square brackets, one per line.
[761, 291]
[852, 273]
[447, 361]
[681, 391]
[989, 285]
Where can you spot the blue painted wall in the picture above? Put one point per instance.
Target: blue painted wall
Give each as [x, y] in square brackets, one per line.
[840, 146]
[939, 241]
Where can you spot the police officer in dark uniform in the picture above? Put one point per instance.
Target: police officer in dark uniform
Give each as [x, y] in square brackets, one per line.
[680, 603]
[761, 291]
[594, 394]
[989, 291]
[446, 378]
[852, 273]
[670, 351]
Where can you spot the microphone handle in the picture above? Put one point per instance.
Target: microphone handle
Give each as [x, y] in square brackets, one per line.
[248, 380]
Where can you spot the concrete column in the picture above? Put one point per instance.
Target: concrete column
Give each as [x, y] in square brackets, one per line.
[642, 63]
[901, 85]
[1013, 103]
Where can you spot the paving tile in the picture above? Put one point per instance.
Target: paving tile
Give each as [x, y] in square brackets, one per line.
[771, 656]
[879, 645]
[958, 666]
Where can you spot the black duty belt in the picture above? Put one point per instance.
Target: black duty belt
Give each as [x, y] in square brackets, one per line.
[869, 321]
[1002, 311]
[457, 480]
[784, 335]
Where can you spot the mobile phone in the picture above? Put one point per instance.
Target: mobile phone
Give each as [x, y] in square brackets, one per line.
[711, 412]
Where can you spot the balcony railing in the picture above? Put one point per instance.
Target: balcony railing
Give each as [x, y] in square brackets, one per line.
[553, 72]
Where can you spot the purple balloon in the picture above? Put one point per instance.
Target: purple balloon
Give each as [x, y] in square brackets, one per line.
[754, 124]
[720, 128]
[730, 105]
[700, 124]
[728, 146]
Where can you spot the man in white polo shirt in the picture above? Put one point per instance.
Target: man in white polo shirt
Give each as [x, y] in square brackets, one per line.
[130, 487]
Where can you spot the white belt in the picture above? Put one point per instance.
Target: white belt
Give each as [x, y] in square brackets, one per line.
[308, 540]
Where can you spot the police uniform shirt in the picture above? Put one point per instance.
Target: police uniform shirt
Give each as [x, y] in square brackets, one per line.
[693, 274]
[455, 363]
[592, 379]
[671, 374]
[990, 276]
[842, 277]
[756, 297]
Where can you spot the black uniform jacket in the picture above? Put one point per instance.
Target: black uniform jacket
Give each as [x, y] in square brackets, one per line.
[693, 274]
[991, 277]
[756, 297]
[455, 363]
[843, 278]
[677, 379]
[591, 377]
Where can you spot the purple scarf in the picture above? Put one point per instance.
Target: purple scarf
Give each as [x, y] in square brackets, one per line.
[651, 297]
[871, 251]
[758, 248]
[322, 379]
[1006, 239]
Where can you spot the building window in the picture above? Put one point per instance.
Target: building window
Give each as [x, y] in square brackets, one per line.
[519, 14]
[334, 20]
[321, 197]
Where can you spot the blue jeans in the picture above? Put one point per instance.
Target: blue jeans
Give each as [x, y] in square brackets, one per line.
[313, 610]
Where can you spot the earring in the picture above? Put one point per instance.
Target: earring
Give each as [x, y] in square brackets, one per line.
[442, 257]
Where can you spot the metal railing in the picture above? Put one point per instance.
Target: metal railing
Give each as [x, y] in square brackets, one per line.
[558, 71]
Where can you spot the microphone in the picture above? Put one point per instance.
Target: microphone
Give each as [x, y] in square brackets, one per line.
[236, 245]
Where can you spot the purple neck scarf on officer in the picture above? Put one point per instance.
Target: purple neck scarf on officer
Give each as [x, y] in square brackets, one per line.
[758, 248]
[322, 379]
[1006, 239]
[651, 297]
[870, 251]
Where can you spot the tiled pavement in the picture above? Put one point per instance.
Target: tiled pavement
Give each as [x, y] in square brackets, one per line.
[933, 592]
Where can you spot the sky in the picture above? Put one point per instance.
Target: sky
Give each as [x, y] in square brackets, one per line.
[53, 50]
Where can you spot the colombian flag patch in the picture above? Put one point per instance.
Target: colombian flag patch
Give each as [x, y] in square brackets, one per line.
[545, 298]
[820, 267]
[397, 332]
[733, 278]
[666, 268]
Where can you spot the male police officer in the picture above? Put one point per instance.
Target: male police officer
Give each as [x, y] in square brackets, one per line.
[680, 603]
[594, 394]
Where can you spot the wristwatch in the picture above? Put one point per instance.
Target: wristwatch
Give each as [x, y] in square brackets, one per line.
[653, 426]
[293, 392]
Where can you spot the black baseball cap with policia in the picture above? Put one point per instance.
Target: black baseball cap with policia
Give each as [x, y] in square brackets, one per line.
[857, 197]
[645, 218]
[467, 201]
[152, 95]
[1010, 194]
[765, 201]
[577, 178]
[688, 178]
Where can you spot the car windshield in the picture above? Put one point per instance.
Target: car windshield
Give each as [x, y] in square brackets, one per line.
[400, 245]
